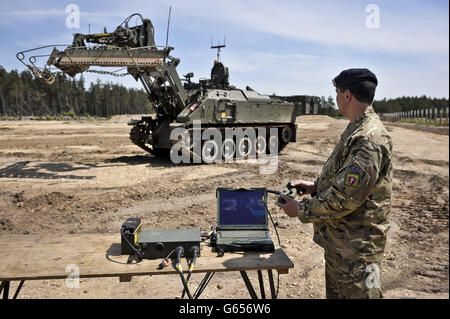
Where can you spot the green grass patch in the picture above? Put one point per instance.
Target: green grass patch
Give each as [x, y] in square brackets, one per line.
[70, 113]
[426, 123]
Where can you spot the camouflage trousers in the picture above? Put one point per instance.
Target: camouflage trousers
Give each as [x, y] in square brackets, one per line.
[350, 279]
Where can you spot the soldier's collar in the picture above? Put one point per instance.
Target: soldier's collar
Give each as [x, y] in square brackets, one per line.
[366, 113]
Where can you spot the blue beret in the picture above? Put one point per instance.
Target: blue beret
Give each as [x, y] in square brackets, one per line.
[351, 76]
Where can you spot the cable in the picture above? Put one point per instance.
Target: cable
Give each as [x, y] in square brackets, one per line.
[195, 250]
[166, 261]
[138, 252]
[129, 18]
[279, 242]
[179, 250]
[275, 227]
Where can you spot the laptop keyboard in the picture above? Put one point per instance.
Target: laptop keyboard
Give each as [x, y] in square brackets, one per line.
[245, 234]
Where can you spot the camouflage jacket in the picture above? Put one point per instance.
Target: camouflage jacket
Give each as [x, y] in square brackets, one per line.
[351, 209]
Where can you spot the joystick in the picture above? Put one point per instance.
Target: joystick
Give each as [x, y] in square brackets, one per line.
[290, 191]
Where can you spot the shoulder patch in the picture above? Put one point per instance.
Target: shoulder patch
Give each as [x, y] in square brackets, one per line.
[354, 169]
[351, 179]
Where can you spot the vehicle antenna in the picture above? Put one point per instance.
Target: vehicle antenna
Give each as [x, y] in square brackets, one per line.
[168, 23]
[218, 47]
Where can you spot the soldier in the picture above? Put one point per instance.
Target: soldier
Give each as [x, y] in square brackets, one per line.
[351, 200]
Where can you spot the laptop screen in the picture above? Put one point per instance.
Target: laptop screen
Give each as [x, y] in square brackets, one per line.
[242, 208]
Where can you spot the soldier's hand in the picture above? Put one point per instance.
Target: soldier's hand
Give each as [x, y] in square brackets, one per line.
[290, 207]
[308, 187]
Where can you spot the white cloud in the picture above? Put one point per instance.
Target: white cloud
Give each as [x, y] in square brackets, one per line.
[33, 15]
[321, 22]
[326, 23]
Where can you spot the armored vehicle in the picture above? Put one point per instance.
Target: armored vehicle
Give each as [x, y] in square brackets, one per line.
[180, 103]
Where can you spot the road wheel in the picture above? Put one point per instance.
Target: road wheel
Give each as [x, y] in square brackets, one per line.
[210, 151]
[274, 144]
[228, 149]
[245, 147]
[286, 134]
[261, 145]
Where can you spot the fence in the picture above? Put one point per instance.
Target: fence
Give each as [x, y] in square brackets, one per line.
[431, 115]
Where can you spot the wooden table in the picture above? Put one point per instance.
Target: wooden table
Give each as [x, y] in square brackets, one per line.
[38, 257]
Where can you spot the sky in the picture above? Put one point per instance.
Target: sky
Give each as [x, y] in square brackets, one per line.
[283, 47]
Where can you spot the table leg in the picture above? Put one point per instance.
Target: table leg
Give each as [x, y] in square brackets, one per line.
[272, 286]
[5, 285]
[5, 288]
[18, 289]
[261, 284]
[205, 281]
[248, 284]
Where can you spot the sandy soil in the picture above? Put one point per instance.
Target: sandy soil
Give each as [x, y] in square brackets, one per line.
[87, 177]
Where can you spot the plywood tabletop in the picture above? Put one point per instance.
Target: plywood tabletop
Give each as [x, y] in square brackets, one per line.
[33, 257]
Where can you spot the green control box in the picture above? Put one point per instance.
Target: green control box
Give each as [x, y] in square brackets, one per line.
[160, 243]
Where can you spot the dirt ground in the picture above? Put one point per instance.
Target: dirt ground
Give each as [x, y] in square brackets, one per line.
[87, 177]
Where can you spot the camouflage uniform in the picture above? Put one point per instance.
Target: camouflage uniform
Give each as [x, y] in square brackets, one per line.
[350, 211]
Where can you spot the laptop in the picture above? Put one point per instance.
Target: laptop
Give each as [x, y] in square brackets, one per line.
[242, 223]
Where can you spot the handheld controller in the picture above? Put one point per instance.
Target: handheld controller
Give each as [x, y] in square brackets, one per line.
[290, 191]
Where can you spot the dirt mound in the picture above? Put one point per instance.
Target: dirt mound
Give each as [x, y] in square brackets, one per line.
[50, 199]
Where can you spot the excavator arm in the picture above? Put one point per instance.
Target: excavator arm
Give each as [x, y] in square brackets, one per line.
[130, 47]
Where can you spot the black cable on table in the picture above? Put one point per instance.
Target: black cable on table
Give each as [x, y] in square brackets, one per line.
[195, 250]
[279, 243]
[179, 250]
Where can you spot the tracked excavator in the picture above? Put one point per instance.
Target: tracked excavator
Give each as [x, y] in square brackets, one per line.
[179, 103]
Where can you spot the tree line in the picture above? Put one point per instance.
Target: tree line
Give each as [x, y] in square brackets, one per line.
[409, 103]
[400, 104]
[21, 94]
[328, 107]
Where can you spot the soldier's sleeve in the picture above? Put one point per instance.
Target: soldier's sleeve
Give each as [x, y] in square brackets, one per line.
[355, 179]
